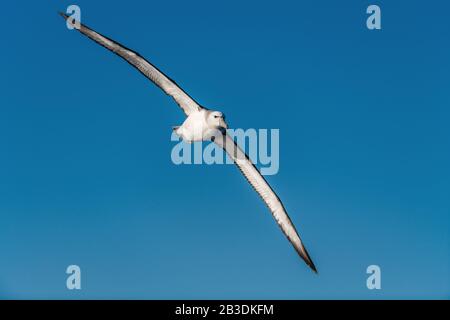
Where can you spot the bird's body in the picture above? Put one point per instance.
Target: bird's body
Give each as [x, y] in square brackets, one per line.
[203, 124]
[197, 126]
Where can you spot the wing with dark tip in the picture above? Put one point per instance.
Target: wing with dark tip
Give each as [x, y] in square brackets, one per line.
[269, 197]
[146, 68]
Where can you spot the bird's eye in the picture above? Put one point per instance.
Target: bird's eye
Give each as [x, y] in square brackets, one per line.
[216, 117]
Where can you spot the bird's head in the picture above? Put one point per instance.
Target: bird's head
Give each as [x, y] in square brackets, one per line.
[216, 119]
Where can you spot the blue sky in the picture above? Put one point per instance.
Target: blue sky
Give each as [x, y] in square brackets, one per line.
[86, 176]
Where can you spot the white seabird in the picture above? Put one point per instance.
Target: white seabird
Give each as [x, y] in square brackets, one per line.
[203, 124]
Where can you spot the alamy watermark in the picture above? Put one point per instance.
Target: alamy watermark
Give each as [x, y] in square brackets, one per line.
[74, 13]
[262, 147]
[374, 20]
[73, 281]
[374, 280]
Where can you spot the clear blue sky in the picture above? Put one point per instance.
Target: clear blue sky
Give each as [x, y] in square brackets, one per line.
[86, 176]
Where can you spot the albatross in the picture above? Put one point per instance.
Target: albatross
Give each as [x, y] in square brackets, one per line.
[202, 124]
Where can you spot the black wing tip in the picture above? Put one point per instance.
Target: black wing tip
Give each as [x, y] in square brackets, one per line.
[62, 14]
[305, 256]
[313, 267]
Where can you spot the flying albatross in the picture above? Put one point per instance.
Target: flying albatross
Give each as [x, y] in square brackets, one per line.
[202, 124]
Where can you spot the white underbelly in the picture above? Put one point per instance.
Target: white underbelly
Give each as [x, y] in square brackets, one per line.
[194, 128]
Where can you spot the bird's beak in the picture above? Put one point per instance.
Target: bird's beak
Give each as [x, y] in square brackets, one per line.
[223, 124]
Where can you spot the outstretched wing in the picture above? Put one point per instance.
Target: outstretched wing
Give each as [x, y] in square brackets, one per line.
[270, 198]
[146, 68]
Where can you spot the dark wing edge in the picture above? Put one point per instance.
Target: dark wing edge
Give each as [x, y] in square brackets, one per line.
[257, 181]
[169, 86]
